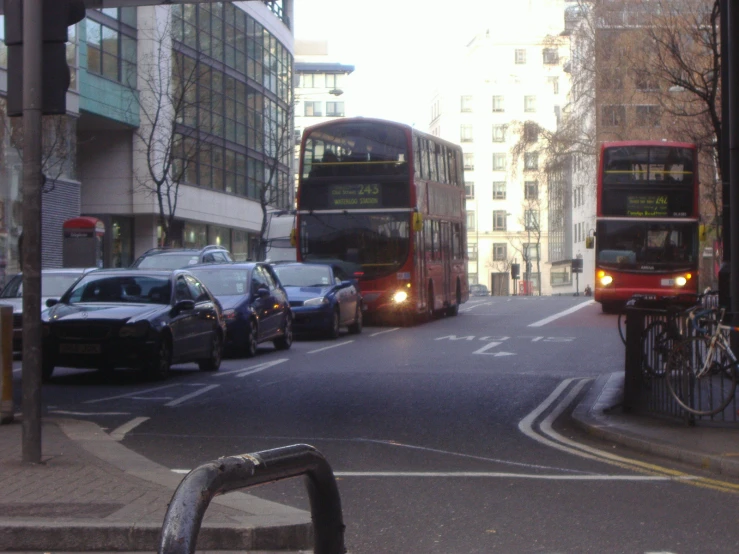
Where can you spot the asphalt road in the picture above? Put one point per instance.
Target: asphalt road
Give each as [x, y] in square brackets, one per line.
[444, 436]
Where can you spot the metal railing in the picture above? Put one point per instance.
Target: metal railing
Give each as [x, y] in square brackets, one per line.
[645, 385]
[191, 499]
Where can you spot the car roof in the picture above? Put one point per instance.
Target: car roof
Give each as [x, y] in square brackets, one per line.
[227, 265]
[136, 271]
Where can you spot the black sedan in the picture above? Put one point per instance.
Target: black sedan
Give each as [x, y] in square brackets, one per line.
[322, 297]
[133, 318]
[255, 305]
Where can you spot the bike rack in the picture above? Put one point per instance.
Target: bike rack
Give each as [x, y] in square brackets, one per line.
[193, 495]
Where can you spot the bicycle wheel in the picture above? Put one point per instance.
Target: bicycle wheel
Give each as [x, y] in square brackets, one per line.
[622, 327]
[695, 390]
[655, 346]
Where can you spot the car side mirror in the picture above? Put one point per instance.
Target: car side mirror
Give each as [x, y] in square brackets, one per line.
[52, 302]
[184, 305]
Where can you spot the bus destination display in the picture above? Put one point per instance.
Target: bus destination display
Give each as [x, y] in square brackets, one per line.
[355, 196]
[647, 205]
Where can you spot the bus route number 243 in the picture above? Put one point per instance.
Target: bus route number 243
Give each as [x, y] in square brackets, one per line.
[366, 195]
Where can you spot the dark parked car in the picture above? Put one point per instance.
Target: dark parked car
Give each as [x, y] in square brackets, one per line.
[133, 318]
[54, 283]
[322, 297]
[479, 290]
[176, 258]
[255, 305]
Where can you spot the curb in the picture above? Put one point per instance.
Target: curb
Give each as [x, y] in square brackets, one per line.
[606, 394]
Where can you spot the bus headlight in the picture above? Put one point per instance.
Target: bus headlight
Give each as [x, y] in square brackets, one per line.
[682, 280]
[400, 297]
[604, 278]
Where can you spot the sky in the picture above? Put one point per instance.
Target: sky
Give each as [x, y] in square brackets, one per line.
[400, 48]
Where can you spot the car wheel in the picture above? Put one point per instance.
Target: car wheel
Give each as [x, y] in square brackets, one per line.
[333, 332]
[158, 368]
[286, 340]
[356, 327]
[213, 362]
[250, 347]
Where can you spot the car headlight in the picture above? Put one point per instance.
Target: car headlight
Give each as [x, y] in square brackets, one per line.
[135, 330]
[316, 301]
[230, 315]
[400, 297]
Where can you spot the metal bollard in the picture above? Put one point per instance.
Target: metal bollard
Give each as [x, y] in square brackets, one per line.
[192, 497]
[6, 364]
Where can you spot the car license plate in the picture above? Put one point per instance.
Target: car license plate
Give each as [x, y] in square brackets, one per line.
[79, 349]
[668, 282]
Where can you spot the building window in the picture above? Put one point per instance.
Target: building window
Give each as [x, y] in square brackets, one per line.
[500, 252]
[531, 251]
[531, 161]
[531, 190]
[471, 221]
[647, 116]
[645, 81]
[611, 79]
[531, 220]
[466, 103]
[613, 116]
[472, 252]
[499, 161]
[334, 81]
[554, 83]
[111, 52]
[500, 218]
[313, 109]
[529, 104]
[550, 56]
[520, 55]
[469, 160]
[530, 131]
[469, 189]
[499, 190]
[498, 104]
[499, 133]
[465, 133]
[335, 109]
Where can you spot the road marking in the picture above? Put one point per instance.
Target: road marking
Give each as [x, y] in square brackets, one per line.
[191, 395]
[473, 306]
[120, 432]
[64, 412]
[505, 475]
[561, 314]
[252, 369]
[132, 393]
[385, 331]
[330, 347]
[490, 345]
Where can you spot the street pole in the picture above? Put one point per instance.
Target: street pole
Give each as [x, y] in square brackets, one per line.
[733, 129]
[31, 256]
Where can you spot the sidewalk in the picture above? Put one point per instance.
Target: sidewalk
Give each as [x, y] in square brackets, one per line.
[712, 448]
[91, 493]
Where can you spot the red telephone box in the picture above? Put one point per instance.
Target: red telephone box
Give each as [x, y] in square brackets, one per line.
[83, 242]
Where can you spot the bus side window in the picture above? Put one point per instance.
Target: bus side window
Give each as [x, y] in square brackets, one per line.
[428, 239]
[416, 158]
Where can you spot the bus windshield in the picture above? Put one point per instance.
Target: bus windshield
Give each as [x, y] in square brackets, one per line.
[355, 148]
[646, 245]
[379, 243]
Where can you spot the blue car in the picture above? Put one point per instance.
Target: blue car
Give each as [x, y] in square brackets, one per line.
[255, 305]
[322, 298]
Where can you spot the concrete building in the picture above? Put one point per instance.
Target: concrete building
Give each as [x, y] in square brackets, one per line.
[504, 96]
[235, 62]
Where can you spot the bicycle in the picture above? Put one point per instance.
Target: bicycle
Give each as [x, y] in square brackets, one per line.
[701, 370]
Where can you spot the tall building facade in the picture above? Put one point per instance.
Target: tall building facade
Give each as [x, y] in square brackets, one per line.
[505, 97]
[205, 88]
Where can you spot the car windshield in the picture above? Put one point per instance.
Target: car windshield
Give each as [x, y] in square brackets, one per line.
[52, 285]
[168, 261]
[224, 281]
[303, 275]
[138, 289]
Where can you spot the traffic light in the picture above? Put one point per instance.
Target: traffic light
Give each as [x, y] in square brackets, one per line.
[58, 15]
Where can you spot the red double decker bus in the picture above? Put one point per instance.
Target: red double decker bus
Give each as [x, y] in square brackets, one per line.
[388, 202]
[647, 221]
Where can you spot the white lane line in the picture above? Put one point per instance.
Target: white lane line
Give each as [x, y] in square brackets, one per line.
[473, 306]
[330, 347]
[191, 395]
[252, 369]
[120, 432]
[385, 331]
[489, 474]
[136, 393]
[64, 412]
[561, 314]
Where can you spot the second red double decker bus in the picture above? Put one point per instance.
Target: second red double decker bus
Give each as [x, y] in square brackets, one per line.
[388, 202]
[646, 233]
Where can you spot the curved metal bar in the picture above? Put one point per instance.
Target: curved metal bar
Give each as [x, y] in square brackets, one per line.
[192, 497]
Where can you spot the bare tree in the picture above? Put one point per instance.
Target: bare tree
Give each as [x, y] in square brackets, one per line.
[169, 137]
